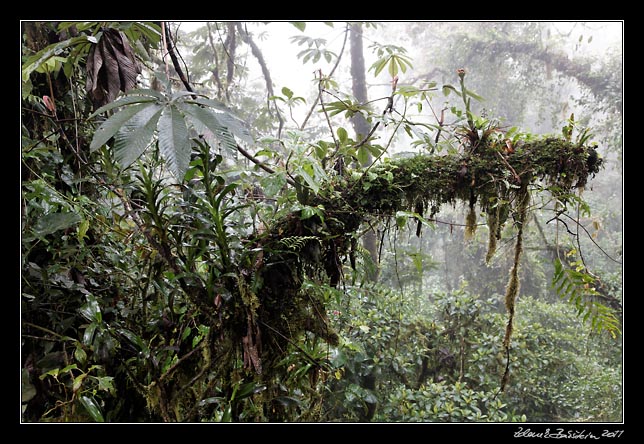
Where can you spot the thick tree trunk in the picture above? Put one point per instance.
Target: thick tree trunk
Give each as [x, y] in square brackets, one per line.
[361, 126]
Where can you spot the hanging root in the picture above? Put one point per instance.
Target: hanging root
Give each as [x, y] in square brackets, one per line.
[512, 289]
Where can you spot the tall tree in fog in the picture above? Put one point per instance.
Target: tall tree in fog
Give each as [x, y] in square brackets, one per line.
[359, 122]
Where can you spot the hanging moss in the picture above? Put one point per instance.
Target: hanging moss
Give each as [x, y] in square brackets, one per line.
[493, 231]
[470, 223]
[512, 289]
[495, 182]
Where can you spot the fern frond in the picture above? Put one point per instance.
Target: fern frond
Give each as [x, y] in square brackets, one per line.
[577, 287]
[296, 243]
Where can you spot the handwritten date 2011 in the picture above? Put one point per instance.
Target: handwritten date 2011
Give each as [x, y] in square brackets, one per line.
[567, 434]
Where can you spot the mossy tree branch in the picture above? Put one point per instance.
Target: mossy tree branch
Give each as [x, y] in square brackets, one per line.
[416, 185]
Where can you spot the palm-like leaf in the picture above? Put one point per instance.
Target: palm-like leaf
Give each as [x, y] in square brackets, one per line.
[132, 139]
[145, 111]
[174, 143]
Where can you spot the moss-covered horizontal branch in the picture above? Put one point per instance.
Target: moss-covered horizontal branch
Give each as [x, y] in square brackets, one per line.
[489, 177]
[432, 181]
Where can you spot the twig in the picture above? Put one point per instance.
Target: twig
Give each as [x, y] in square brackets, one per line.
[592, 240]
[175, 60]
[326, 115]
[514, 173]
[179, 361]
[337, 62]
[260, 164]
[245, 36]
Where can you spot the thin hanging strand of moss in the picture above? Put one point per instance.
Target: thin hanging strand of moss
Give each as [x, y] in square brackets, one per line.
[493, 226]
[512, 289]
[470, 224]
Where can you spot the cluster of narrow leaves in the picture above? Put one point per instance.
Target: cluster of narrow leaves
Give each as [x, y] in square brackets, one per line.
[175, 119]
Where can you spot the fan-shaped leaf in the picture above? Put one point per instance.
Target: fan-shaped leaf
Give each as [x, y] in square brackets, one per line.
[174, 143]
[208, 118]
[132, 139]
[123, 101]
[228, 119]
[111, 126]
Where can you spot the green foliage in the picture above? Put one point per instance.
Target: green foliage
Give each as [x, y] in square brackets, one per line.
[42, 60]
[441, 402]
[443, 361]
[575, 285]
[145, 112]
[315, 49]
[391, 57]
[560, 370]
[226, 294]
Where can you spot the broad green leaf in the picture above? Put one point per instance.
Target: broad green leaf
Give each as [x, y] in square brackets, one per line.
[91, 310]
[174, 143]
[342, 135]
[134, 137]
[364, 156]
[378, 66]
[51, 65]
[272, 184]
[106, 383]
[150, 30]
[78, 382]
[136, 340]
[92, 408]
[69, 367]
[313, 185]
[228, 415]
[53, 372]
[474, 95]
[401, 220]
[375, 150]
[248, 389]
[287, 92]
[80, 355]
[307, 212]
[53, 222]
[112, 125]
[82, 230]
[393, 67]
[448, 88]
[37, 60]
